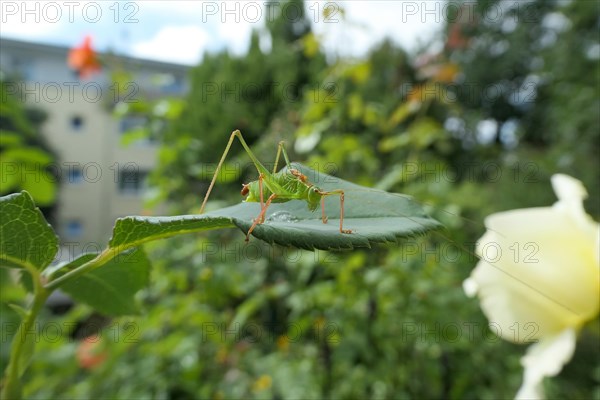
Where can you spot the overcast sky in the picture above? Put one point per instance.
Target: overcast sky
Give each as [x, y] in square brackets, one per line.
[181, 31]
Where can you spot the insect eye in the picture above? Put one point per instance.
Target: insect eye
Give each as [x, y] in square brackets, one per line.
[245, 190]
[314, 194]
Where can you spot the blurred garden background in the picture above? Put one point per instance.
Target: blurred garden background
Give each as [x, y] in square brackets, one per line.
[472, 121]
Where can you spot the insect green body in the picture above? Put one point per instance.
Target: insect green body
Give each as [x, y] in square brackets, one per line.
[288, 186]
[278, 187]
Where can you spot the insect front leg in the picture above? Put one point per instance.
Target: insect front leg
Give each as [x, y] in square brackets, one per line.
[261, 216]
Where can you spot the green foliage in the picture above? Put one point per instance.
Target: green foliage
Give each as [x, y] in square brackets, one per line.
[109, 281]
[25, 158]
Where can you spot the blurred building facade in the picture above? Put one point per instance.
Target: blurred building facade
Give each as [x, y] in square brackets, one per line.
[99, 178]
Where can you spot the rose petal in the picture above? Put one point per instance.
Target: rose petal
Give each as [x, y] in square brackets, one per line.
[470, 287]
[515, 311]
[538, 274]
[545, 358]
[571, 193]
[540, 269]
[568, 188]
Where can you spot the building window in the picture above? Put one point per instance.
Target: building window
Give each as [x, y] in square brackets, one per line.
[174, 86]
[131, 123]
[74, 228]
[76, 123]
[24, 68]
[137, 130]
[75, 176]
[132, 182]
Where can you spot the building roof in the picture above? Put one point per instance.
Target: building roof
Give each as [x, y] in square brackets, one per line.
[62, 51]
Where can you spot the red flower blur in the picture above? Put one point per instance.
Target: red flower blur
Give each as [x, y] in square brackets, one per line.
[84, 60]
[89, 353]
[456, 39]
[460, 28]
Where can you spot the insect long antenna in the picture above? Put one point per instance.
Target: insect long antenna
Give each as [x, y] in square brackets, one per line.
[285, 156]
[281, 149]
[261, 169]
[214, 179]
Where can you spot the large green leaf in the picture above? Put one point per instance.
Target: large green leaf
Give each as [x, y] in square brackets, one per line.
[27, 240]
[373, 216]
[111, 287]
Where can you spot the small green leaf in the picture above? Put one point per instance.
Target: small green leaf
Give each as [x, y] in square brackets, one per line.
[19, 310]
[10, 138]
[27, 240]
[31, 155]
[111, 288]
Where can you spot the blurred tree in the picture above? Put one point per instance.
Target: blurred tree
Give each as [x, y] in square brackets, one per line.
[529, 86]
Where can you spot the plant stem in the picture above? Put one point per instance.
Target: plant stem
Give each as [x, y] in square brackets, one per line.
[12, 381]
[102, 258]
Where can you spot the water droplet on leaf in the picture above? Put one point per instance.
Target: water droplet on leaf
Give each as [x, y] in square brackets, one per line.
[282, 216]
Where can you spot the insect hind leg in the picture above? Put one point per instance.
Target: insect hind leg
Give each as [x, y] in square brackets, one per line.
[333, 193]
[323, 216]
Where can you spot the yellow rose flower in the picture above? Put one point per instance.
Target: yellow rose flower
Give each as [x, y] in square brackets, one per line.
[539, 279]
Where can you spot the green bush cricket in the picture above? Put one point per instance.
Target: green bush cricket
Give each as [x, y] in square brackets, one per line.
[278, 187]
